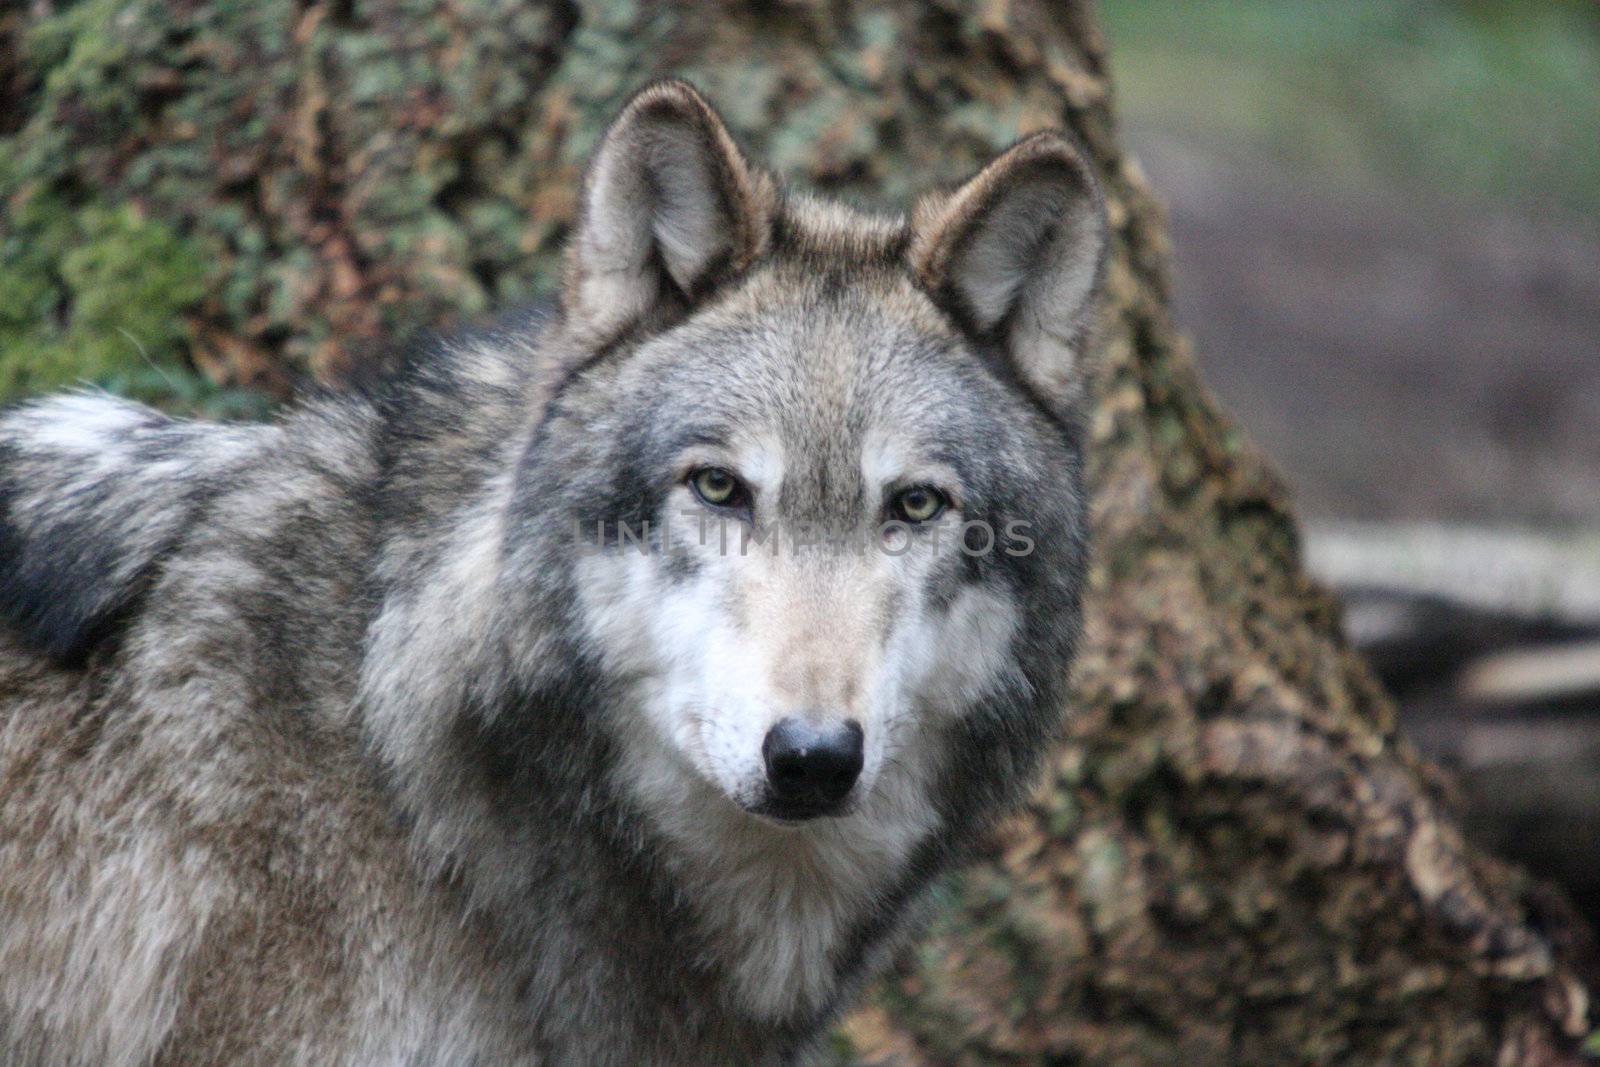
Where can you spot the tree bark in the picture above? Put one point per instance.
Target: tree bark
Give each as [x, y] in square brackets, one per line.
[1233, 859]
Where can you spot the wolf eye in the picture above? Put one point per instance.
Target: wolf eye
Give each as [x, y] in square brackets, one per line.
[717, 487]
[919, 503]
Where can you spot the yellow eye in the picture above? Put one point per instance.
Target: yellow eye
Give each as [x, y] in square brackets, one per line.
[716, 486]
[920, 503]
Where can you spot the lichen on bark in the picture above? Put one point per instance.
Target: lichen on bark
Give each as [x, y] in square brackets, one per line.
[1233, 859]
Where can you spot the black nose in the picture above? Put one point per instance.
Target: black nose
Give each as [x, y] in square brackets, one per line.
[811, 769]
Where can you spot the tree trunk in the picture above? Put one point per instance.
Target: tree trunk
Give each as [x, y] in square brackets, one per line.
[1233, 860]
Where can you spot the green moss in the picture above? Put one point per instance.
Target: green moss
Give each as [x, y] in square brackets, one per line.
[93, 289]
[131, 275]
[91, 295]
[322, 185]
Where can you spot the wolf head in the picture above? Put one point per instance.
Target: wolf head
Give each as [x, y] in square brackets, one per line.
[821, 467]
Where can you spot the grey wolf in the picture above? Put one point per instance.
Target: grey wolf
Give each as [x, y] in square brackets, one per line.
[337, 740]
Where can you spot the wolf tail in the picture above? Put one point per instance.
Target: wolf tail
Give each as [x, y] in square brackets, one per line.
[94, 492]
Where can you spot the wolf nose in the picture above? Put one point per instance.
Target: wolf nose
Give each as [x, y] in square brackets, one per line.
[810, 766]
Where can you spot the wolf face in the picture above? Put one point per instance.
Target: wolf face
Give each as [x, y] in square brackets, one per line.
[813, 555]
[837, 475]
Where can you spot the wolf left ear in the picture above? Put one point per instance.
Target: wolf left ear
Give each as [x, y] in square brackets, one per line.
[669, 206]
[1017, 254]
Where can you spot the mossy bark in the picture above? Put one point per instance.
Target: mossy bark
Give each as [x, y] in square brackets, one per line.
[1234, 859]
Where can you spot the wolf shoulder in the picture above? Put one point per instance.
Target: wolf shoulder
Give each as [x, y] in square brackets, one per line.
[94, 492]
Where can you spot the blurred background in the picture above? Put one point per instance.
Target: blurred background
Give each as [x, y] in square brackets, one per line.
[1386, 222]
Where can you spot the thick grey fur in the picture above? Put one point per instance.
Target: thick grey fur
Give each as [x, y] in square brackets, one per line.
[314, 747]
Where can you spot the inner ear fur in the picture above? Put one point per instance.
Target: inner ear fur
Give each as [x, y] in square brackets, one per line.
[1017, 255]
[669, 206]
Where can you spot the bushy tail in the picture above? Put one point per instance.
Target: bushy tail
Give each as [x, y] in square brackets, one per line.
[94, 492]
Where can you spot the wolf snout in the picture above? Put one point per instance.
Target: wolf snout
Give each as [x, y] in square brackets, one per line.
[810, 768]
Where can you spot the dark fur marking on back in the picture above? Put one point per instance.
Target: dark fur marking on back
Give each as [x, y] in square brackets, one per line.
[83, 529]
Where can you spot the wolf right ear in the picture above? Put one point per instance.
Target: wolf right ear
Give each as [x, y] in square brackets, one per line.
[1017, 253]
[669, 206]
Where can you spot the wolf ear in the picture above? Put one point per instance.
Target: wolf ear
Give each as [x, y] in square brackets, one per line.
[669, 207]
[1017, 253]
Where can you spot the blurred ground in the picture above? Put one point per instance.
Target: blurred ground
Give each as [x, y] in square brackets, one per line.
[1400, 358]
[1386, 222]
